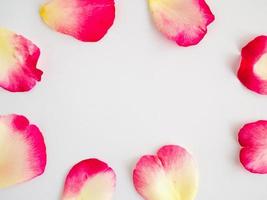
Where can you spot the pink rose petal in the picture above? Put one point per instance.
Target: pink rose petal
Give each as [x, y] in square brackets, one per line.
[171, 174]
[23, 151]
[184, 21]
[253, 139]
[253, 68]
[18, 59]
[86, 20]
[90, 179]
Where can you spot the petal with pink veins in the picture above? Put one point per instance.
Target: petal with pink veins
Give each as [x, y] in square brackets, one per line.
[23, 151]
[253, 139]
[85, 20]
[171, 174]
[90, 179]
[18, 59]
[253, 67]
[184, 21]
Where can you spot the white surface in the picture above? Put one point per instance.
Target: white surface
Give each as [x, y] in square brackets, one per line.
[134, 91]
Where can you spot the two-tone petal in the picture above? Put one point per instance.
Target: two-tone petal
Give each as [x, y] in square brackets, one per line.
[90, 179]
[184, 21]
[253, 67]
[86, 20]
[18, 59]
[253, 139]
[22, 150]
[171, 174]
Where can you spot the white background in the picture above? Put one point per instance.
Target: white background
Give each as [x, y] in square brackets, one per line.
[135, 91]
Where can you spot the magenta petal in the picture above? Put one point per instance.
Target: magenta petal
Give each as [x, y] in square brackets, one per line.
[87, 20]
[253, 139]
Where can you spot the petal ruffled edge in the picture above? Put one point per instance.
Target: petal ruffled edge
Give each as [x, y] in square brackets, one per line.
[19, 56]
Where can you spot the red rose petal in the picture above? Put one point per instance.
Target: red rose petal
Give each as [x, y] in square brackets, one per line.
[253, 139]
[86, 20]
[253, 68]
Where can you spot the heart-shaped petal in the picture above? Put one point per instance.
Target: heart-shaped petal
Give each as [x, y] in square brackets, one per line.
[23, 151]
[90, 179]
[253, 138]
[18, 59]
[86, 20]
[253, 67]
[184, 21]
[169, 175]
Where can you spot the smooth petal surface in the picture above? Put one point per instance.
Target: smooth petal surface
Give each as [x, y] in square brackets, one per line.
[18, 59]
[90, 179]
[86, 20]
[23, 151]
[184, 21]
[253, 67]
[169, 175]
[253, 138]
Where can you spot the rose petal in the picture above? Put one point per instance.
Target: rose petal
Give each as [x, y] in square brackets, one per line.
[253, 68]
[90, 179]
[171, 174]
[86, 20]
[253, 138]
[184, 21]
[18, 59]
[23, 151]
